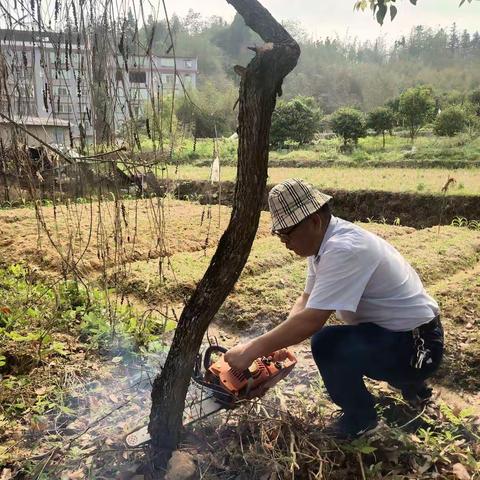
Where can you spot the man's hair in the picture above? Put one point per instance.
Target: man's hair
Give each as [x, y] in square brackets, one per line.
[324, 211]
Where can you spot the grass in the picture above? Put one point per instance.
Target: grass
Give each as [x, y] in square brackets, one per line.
[279, 437]
[273, 276]
[441, 151]
[423, 181]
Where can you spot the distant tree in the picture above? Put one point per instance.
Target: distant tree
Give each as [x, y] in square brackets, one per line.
[349, 124]
[416, 107]
[474, 98]
[382, 120]
[450, 121]
[453, 97]
[208, 111]
[296, 120]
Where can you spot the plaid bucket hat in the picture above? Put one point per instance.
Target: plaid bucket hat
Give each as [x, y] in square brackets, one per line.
[292, 201]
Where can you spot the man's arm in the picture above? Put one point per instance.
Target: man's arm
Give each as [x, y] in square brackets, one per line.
[293, 330]
[299, 304]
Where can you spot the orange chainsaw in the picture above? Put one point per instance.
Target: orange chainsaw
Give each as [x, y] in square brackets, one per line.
[220, 386]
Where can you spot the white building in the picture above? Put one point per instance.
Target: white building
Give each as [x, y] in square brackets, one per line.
[49, 76]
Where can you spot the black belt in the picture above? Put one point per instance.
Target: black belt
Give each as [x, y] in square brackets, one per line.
[431, 325]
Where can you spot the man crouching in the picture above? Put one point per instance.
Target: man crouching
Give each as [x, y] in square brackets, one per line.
[392, 328]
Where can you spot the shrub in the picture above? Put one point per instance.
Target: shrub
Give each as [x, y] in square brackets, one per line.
[417, 107]
[381, 120]
[349, 124]
[294, 122]
[450, 121]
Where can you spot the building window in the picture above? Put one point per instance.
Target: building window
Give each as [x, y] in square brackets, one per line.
[59, 91]
[167, 79]
[137, 77]
[168, 62]
[60, 74]
[59, 135]
[65, 108]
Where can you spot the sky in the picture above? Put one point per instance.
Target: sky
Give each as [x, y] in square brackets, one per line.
[323, 18]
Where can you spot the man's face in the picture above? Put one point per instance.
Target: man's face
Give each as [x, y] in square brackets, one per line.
[304, 238]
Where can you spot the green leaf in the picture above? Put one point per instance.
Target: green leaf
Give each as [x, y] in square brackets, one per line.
[170, 325]
[3, 360]
[59, 347]
[382, 11]
[393, 12]
[366, 449]
[16, 337]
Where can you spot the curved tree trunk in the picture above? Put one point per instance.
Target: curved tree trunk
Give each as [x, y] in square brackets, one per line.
[260, 84]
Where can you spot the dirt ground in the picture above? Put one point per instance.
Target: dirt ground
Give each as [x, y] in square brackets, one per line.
[106, 394]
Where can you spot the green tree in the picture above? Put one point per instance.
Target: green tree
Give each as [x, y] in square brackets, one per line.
[209, 111]
[416, 107]
[474, 98]
[296, 120]
[381, 120]
[450, 121]
[349, 124]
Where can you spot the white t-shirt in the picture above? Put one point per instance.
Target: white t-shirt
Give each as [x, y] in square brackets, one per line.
[365, 279]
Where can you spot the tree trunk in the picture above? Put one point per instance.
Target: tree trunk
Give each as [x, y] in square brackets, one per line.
[260, 84]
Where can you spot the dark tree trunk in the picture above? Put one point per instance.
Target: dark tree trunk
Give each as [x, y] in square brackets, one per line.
[260, 84]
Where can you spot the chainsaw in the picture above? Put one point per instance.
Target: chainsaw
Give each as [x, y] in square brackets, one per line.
[218, 386]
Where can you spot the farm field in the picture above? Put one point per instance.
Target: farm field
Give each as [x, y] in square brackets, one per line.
[151, 259]
[422, 181]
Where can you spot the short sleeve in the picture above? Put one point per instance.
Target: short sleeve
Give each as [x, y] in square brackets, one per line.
[341, 278]
[310, 281]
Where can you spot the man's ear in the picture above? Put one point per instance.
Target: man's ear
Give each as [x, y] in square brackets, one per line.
[317, 220]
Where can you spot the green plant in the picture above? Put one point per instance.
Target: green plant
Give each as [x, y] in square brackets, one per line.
[381, 120]
[349, 124]
[294, 122]
[416, 107]
[450, 121]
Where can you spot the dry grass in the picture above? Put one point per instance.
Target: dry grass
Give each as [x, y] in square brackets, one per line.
[126, 231]
[413, 180]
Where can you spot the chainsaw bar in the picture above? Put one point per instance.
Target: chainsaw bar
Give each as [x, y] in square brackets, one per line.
[200, 405]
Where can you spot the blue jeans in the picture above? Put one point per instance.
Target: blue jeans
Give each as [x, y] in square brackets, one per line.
[344, 354]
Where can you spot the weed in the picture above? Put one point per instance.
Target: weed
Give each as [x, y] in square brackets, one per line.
[465, 223]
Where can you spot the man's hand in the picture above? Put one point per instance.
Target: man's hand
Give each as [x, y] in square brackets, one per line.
[240, 357]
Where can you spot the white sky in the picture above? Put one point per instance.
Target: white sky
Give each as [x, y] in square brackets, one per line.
[329, 17]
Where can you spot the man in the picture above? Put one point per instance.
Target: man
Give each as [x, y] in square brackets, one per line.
[393, 330]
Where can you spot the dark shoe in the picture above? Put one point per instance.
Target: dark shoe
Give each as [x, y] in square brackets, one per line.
[349, 426]
[417, 397]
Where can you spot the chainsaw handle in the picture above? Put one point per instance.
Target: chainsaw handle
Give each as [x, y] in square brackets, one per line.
[207, 356]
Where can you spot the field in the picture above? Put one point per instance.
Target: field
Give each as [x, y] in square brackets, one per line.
[422, 181]
[68, 389]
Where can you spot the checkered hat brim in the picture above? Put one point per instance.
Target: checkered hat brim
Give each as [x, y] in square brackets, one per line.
[292, 201]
